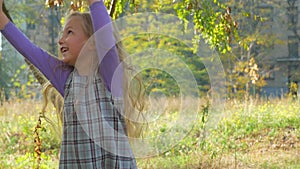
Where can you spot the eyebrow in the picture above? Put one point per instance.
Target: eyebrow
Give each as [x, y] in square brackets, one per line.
[68, 27]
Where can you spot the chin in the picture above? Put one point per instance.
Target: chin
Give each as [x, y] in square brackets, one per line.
[66, 61]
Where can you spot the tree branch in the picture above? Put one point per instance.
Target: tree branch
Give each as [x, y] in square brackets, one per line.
[112, 8]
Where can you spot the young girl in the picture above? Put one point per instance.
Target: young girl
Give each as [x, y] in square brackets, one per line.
[94, 130]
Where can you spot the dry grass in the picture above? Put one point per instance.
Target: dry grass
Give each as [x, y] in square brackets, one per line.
[254, 134]
[17, 121]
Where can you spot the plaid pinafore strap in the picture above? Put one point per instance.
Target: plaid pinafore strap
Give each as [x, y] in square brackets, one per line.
[94, 133]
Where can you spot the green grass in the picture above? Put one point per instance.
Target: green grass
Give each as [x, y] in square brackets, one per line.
[17, 124]
[253, 134]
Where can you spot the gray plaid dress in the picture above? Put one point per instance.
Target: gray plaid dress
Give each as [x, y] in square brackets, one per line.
[94, 132]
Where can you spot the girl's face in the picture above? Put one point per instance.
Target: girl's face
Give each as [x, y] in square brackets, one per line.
[72, 40]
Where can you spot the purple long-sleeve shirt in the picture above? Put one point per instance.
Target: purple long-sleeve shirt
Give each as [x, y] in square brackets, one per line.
[54, 69]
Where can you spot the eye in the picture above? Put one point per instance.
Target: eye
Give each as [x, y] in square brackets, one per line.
[69, 32]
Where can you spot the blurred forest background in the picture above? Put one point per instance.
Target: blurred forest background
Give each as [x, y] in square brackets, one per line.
[245, 34]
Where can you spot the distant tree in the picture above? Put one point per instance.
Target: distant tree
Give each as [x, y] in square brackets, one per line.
[15, 79]
[256, 40]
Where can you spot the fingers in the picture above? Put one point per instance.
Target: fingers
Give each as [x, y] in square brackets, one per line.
[1, 6]
[90, 2]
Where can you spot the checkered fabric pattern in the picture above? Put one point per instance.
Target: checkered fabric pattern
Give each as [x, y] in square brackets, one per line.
[94, 131]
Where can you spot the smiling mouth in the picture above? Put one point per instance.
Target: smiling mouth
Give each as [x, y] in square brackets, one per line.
[64, 49]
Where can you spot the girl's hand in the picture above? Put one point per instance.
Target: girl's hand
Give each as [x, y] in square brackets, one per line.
[3, 18]
[1, 2]
[90, 2]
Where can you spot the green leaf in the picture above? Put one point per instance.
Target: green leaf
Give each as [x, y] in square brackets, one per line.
[24, 66]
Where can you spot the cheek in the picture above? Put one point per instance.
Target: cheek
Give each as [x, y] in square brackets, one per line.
[77, 47]
[81, 43]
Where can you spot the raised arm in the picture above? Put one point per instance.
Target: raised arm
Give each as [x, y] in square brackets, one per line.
[106, 47]
[48, 65]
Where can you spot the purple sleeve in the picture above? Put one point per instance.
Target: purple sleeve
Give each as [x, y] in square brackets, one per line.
[110, 68]
[50, 66]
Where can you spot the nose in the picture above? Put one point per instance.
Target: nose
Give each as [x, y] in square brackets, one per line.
[61, 41]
